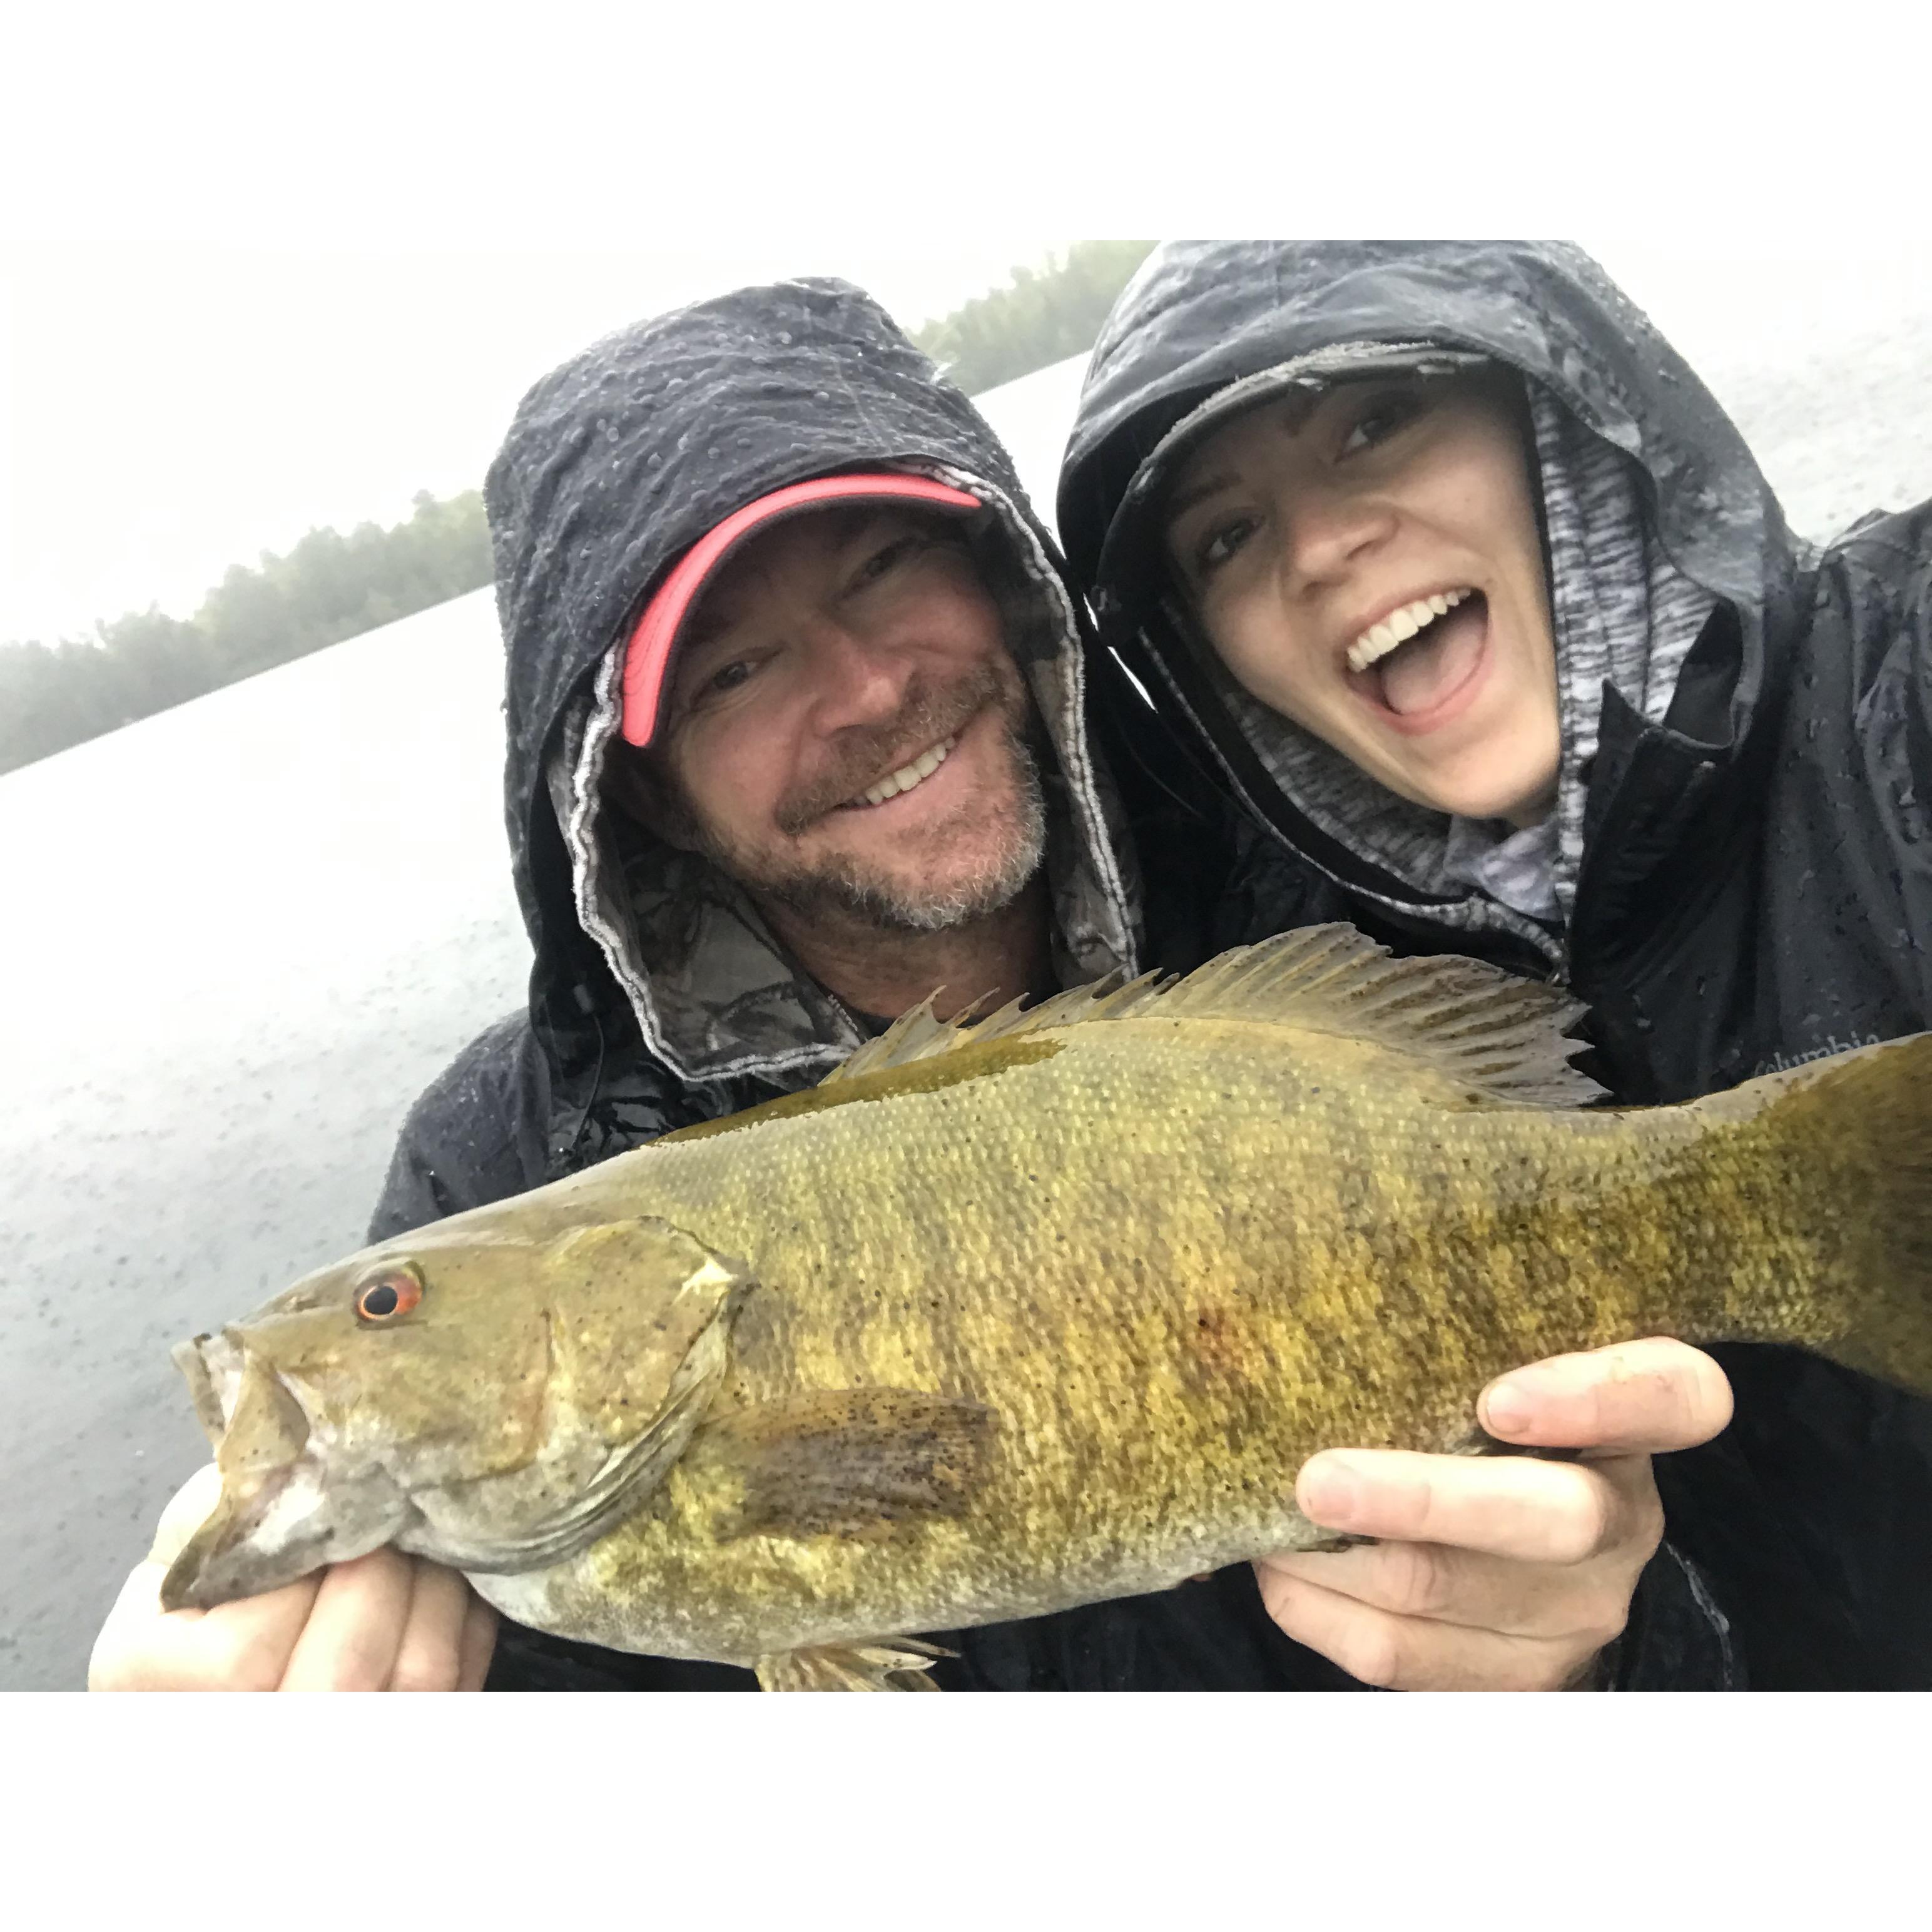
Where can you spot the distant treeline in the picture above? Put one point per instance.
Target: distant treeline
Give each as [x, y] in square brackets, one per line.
[1042, 316]
[330, 586]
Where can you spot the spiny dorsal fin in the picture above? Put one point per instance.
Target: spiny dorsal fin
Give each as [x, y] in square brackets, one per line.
[918, 1036]
[1500, 1035]
[913, 1036]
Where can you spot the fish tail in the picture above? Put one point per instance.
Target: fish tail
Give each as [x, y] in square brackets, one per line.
[1831, 1167]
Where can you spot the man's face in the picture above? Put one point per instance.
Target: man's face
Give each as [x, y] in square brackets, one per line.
[1369, 566]
[845, 729]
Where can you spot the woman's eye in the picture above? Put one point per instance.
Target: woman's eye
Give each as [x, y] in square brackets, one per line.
[1220, 543]
[728, 677]
[1379, 420]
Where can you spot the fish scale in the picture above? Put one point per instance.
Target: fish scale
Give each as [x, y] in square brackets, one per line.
[1006, 1319]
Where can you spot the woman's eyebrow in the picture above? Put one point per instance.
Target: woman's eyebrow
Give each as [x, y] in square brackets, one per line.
[1183, 500]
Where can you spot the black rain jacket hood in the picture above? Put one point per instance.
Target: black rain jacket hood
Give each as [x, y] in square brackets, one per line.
[615, 464]
[1652, 509]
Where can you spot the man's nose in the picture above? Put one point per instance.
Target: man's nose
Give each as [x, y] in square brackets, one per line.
[854, 680]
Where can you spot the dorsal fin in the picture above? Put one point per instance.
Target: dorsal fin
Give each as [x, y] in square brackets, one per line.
[1503, 1035]
[913, 1036]
[917, 1035]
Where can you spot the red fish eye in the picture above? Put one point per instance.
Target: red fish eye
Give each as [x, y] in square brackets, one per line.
[388, 1295]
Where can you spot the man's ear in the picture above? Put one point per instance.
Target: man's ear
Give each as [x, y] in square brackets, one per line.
[637, 784]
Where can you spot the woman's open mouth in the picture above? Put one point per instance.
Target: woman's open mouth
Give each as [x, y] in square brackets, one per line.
[1420, 663]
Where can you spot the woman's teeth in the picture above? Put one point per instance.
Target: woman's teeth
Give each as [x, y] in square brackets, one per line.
[922, 767]
[1399, 626]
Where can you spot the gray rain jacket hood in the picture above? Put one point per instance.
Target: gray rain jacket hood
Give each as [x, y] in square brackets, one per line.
[615, 464]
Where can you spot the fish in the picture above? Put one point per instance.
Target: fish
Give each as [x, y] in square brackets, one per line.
[1007, 1316]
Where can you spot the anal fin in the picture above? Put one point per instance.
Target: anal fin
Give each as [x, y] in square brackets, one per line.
[902, 1664]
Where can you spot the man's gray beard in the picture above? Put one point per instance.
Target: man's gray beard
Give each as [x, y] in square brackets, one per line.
[841, 889]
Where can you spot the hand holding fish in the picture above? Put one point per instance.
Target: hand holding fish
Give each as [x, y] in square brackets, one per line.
[386, 1621]
[1499, 1573]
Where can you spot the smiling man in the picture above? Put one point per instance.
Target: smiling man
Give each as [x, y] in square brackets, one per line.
[799, 732]
[844, 735]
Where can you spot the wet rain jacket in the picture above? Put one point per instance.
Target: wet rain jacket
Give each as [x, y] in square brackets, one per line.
[657, 997]
[1755, 883]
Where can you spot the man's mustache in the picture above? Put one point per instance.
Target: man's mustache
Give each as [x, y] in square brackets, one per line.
[866, 753]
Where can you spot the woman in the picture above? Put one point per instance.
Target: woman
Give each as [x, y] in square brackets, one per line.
[1464, 590]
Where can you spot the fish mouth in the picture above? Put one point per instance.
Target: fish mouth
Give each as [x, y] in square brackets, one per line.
[282, 1511]
[212, 1365]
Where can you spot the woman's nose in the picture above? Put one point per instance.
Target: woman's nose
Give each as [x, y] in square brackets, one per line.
[1325, 531]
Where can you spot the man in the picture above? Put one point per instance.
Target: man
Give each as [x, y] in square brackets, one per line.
[798, 726]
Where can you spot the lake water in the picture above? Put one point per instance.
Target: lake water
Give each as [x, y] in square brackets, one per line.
[241, 936]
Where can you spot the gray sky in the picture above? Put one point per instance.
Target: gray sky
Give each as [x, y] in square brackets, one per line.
[166, 411]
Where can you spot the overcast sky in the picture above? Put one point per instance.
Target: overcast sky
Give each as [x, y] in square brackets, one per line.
[167, 411]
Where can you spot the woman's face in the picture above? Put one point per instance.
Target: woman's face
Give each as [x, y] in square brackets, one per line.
[1366, 561]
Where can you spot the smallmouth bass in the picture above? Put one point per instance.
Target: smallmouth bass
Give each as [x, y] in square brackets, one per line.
[1003, 1318]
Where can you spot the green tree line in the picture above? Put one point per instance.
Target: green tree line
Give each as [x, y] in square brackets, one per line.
[330, 586]
[1042, 316]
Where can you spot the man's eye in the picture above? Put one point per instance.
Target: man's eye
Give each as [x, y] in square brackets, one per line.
[728, 677]
[883, 559]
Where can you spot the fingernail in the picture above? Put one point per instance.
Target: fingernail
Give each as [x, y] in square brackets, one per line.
[1506, 1409]
[1330, 1493]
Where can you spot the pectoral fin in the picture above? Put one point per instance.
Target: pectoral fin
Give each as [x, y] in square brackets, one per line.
[852, 1462]
[900, 1665]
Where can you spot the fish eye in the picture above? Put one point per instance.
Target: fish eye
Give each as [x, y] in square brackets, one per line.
[392, 1293]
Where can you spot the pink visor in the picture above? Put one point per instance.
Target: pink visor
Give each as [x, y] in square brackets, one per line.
[647, 656]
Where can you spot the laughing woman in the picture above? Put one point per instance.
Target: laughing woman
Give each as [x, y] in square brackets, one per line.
[1473, 603]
